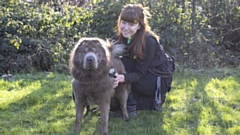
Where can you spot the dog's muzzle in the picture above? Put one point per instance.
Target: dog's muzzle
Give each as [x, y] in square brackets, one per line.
[90, 61]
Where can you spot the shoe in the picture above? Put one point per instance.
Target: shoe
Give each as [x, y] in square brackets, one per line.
[132, 110]
[132, 114]
[115, 114]
[118, 114]
[157, 107]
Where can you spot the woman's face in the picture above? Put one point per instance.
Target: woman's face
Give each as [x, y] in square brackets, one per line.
[128, 29]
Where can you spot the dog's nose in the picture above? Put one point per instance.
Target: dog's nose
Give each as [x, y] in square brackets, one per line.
[90, 58]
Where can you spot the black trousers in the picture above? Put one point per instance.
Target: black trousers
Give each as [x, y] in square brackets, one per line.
[143, 92]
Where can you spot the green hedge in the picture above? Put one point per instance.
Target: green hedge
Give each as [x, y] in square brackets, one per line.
[39, 37]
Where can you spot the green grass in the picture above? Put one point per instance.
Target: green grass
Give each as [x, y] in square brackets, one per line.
[205, 103]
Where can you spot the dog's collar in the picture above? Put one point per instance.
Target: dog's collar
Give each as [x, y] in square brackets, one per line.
[112, 72]
[123, 55]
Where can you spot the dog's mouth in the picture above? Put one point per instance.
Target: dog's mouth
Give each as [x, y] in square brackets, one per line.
[90, 67]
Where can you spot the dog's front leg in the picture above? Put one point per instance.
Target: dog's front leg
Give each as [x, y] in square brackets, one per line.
[79, 114]
[104, 111]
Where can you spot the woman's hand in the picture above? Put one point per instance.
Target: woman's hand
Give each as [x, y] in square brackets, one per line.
[118, 78]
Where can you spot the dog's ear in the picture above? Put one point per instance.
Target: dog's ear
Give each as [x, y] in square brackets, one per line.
[100, 41]
[108, 44]
[97, 41]
[81, 42]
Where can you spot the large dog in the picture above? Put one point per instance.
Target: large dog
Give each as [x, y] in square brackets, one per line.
[90, 62]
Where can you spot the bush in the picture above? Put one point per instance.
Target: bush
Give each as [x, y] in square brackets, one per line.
[41, 37]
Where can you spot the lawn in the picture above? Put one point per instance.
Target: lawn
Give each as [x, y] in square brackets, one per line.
[200, 103]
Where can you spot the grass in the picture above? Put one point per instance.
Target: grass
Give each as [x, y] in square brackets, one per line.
[205, 103]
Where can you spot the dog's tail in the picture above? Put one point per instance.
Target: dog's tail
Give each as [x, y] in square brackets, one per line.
[117, 50]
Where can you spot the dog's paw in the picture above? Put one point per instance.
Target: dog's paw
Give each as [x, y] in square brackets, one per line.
[126, 119]
[76, 128]
[104, 133]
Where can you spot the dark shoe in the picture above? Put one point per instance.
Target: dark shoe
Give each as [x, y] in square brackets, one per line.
[115, 114]
[118, 114]
[132, 110]
[157, 106]
[131, 106]
[132, 114]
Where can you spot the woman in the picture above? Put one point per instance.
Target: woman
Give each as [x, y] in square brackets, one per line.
[143, 61]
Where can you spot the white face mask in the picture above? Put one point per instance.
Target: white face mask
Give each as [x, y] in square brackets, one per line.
[128, 29]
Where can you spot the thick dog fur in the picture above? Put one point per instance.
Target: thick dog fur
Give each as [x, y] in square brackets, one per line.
[90, 62]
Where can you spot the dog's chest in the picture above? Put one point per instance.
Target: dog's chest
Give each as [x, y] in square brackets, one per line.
[95, 95]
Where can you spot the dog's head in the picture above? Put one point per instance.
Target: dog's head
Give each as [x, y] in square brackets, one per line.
[89, 53]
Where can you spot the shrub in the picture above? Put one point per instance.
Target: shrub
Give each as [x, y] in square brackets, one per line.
[41, 37]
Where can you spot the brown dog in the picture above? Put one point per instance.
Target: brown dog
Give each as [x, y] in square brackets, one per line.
[90, 62]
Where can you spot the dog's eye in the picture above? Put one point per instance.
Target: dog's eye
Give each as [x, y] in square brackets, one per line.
[93, 49]
[86, 49]
[79, 51]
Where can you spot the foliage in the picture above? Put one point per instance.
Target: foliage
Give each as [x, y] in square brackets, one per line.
[41, 36]
[200, 102]
[206, 46]
[46, 36]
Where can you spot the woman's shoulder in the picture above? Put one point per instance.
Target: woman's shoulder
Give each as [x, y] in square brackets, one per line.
[151, 40]
[150, 36]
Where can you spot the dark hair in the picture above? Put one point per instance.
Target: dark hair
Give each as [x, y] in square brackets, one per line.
[136, 13]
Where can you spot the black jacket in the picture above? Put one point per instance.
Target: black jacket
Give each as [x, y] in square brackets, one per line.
[153, 61]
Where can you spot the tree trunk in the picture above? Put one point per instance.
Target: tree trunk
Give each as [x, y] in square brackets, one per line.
[193, 17]
[183, 6]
